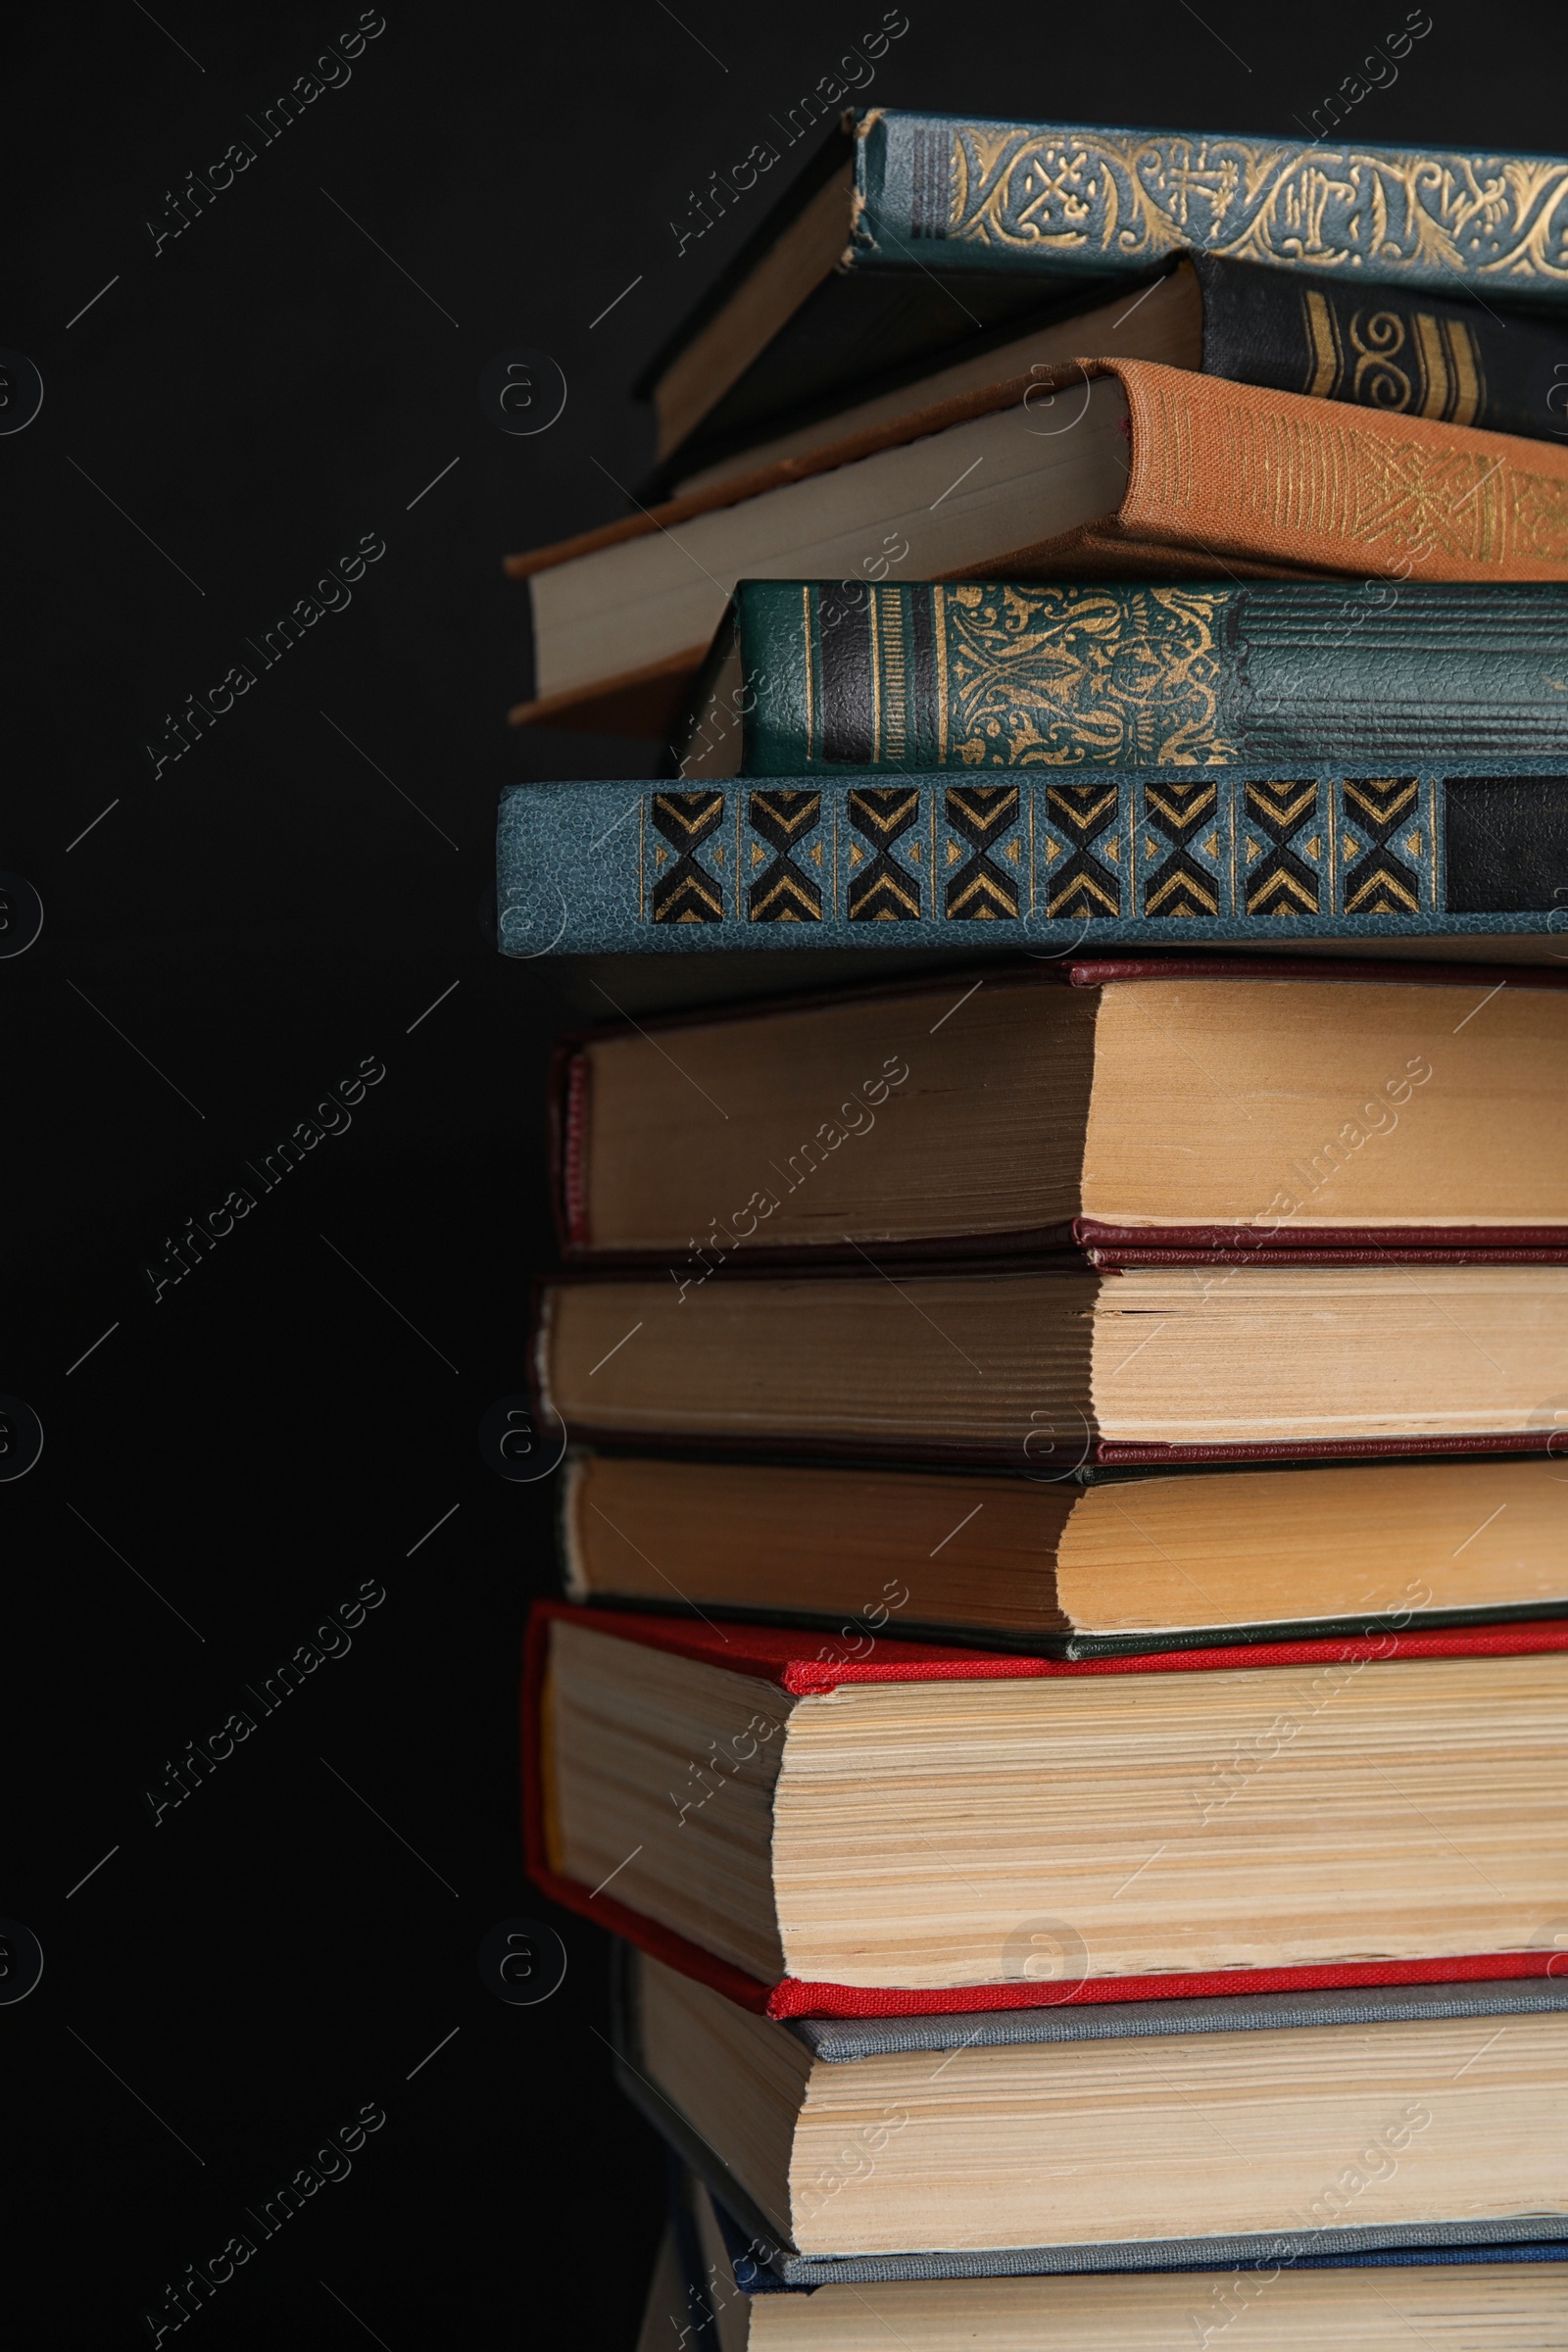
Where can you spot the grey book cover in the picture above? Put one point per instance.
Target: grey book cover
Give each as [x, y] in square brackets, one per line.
[841, 2041]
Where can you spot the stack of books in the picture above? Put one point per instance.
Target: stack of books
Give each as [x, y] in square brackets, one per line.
[1062, 1689]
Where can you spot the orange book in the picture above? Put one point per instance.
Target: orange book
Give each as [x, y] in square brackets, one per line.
[1277, 477]
[1120, 467]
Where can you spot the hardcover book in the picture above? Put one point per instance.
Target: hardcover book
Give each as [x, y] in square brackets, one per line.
[1382, 347]
[1155, 2138]
[1110, 466]
[804, 676]
[910, 230]
[930, 1829]
[1441, 857]
[1069, 1568]
[727, 2285]
[1140, 1112]
[1051, 1367]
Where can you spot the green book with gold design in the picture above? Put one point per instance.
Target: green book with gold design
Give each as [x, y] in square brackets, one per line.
[851, 675]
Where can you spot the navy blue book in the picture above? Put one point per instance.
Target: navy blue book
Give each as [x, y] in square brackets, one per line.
[712, 2269]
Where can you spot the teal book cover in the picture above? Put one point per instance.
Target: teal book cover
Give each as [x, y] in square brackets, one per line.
[983, 675]
[1082, 201]
[1278, 857]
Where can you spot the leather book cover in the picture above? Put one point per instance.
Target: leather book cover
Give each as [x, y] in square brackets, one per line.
[790, 1659]
[971, 675]
[950, 224]
[1441, 857]
[953, 192]
[1384, 347]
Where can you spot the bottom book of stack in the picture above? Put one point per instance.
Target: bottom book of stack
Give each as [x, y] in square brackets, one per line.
[713, 2290]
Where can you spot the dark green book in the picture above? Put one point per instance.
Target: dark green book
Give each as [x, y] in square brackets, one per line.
[963, 675]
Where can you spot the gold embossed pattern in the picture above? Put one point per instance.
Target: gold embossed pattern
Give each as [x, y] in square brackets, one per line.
[1133, 197]
[1070, 678]
[1309, 484]
[1184, 848]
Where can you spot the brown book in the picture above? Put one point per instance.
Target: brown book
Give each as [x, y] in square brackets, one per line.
[1109, 466]
[1056, 1368]
[1138, 1109]
[1061, 1568]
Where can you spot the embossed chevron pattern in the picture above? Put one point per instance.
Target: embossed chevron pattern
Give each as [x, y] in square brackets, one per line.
[1181, 850]
[982, 815]
[1087, 882]
[1283, 870]
[687, 893]
[784, 892]
[1381, 845]
[886, 892]
[1287, 850]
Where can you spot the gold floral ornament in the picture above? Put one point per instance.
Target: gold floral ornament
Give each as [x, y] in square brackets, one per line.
[1135, 197]
[1082, 677]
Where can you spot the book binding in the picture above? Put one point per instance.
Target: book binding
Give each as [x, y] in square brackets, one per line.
[778, 1656]
[956, 193]
[1148, 860]
[973, 676]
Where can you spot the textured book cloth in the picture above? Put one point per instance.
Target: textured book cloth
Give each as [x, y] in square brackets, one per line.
[907, 232]
[765, 2260]
[1279, 480]
[1023, 674]
[719, 2262]
[1149, 861]
[791, 1661]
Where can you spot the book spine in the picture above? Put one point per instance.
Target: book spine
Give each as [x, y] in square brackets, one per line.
[1155, 859]
[942, 191]
[1456, 363]
[1008, 675]
[1272, 477]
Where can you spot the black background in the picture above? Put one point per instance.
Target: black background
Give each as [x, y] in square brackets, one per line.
[232, 938]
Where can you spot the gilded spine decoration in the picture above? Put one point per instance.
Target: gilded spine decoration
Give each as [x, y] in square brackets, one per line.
[1131, 197]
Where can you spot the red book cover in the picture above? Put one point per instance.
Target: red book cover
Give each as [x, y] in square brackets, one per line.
[786, 1658]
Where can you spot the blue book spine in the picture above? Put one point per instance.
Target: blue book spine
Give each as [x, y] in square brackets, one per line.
[946, 192]
[1272, 856]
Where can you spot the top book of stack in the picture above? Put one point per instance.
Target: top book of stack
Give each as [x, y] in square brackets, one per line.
[909, 233]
